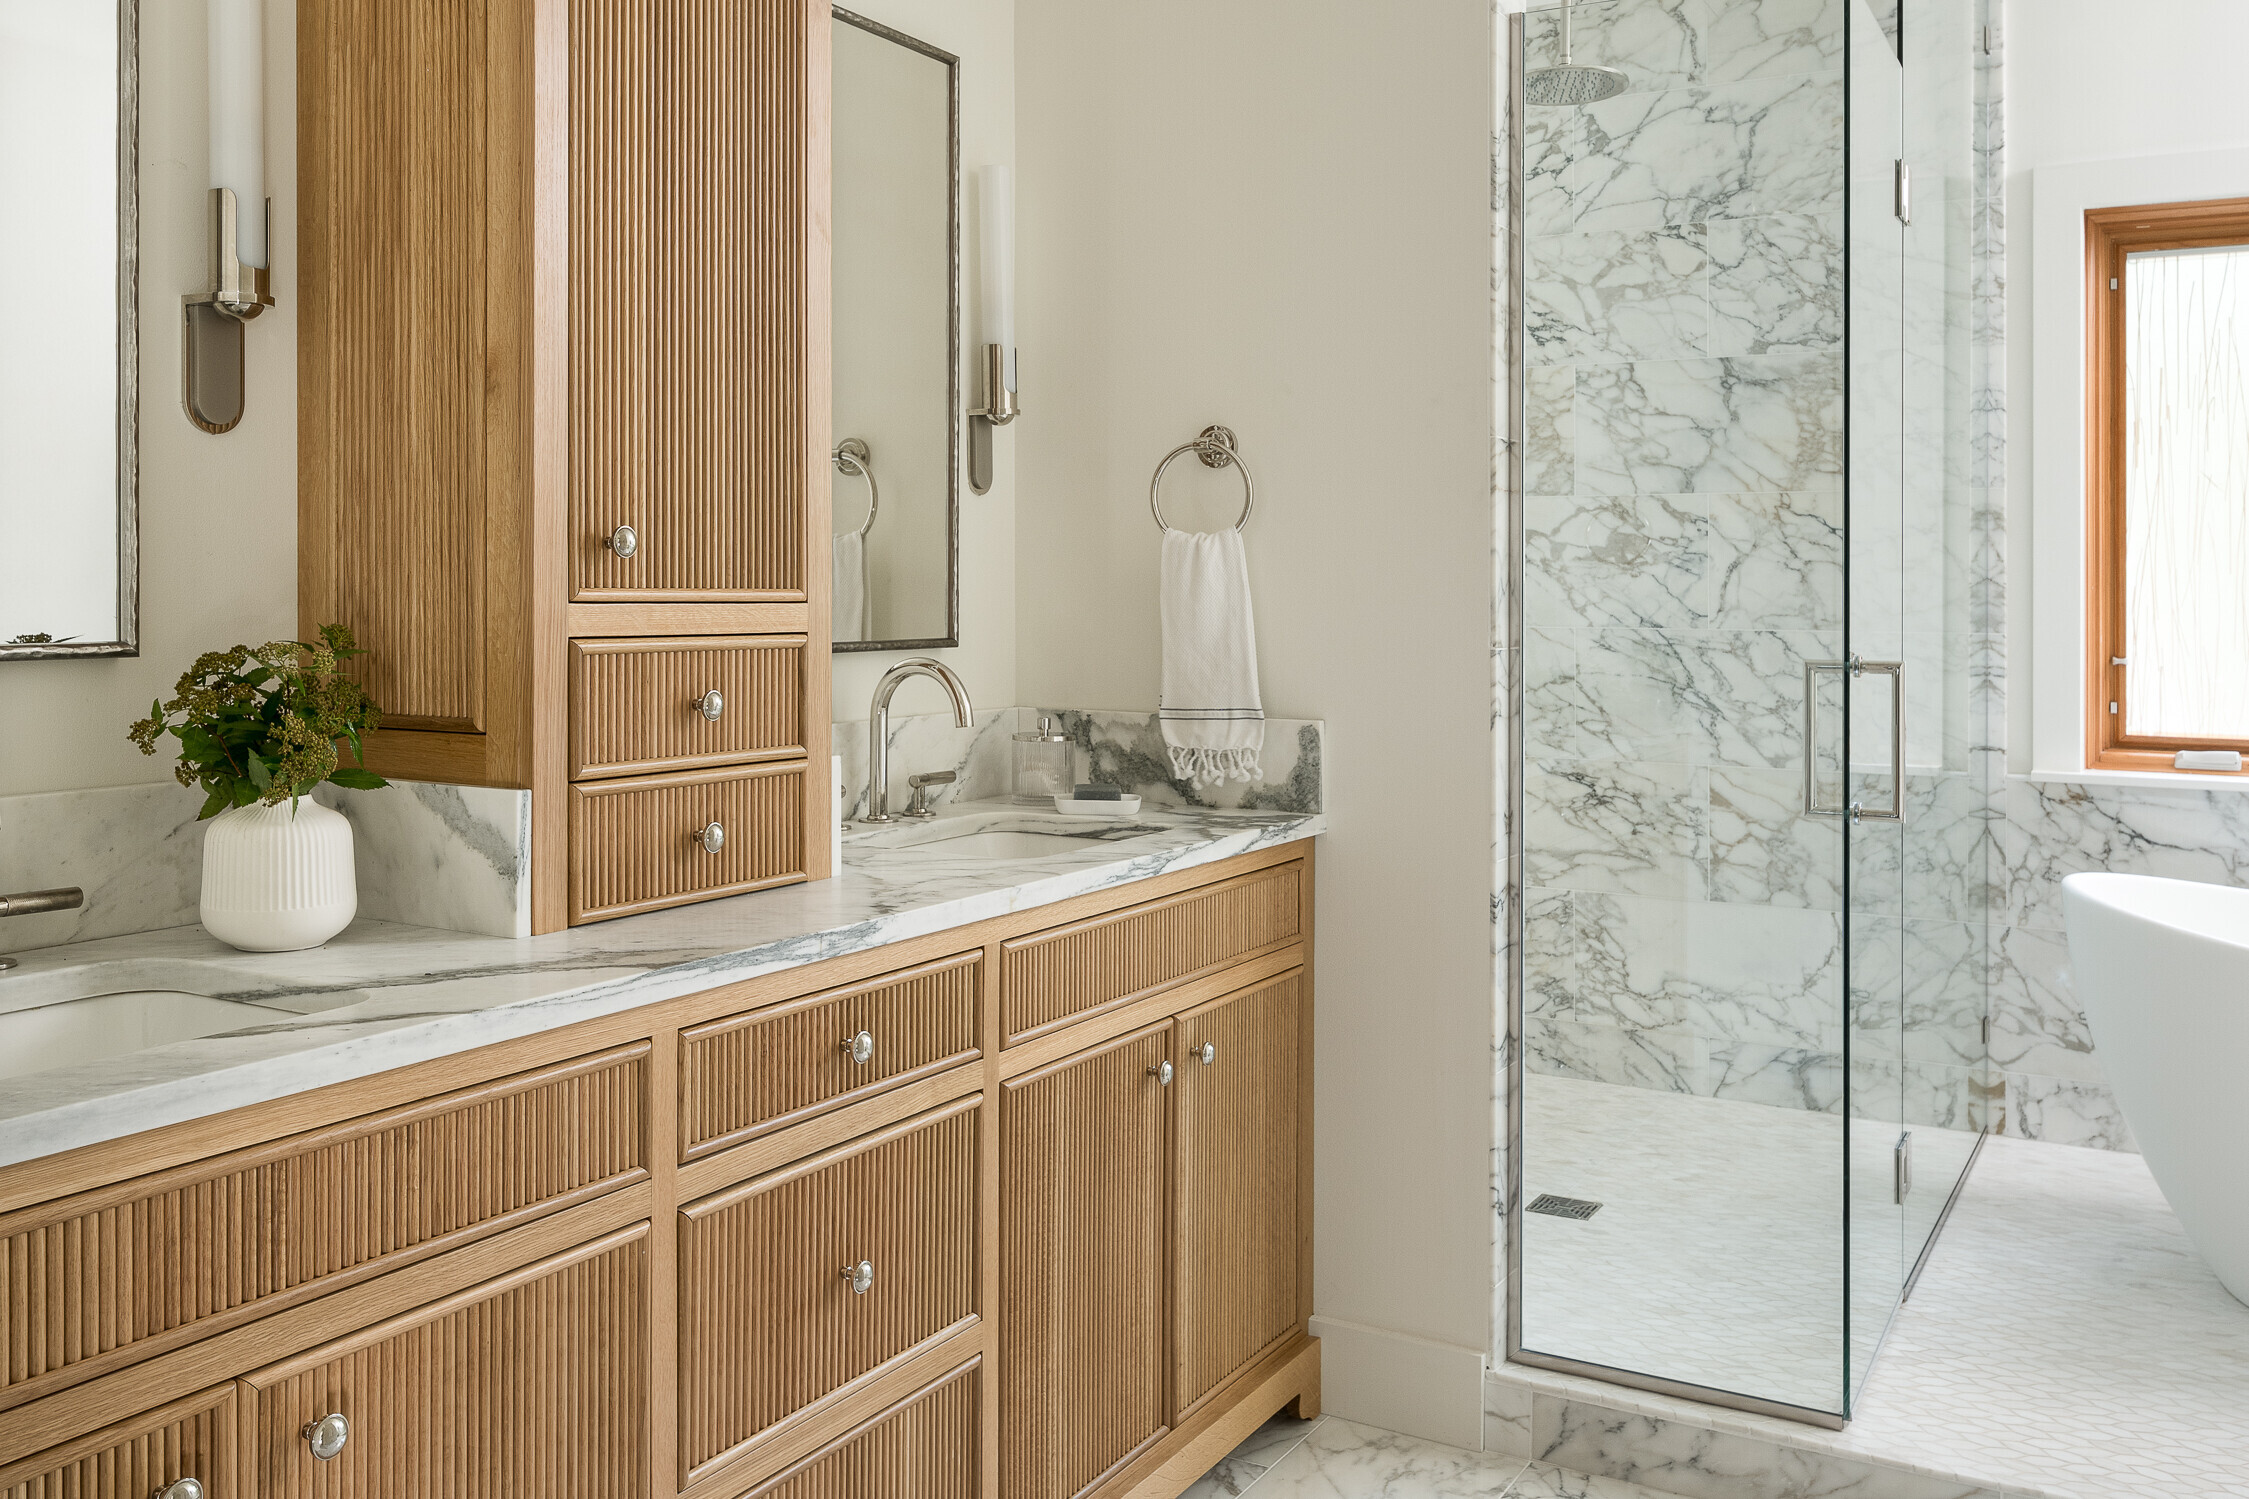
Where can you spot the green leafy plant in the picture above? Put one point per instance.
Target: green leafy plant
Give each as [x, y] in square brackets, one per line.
[266, 723]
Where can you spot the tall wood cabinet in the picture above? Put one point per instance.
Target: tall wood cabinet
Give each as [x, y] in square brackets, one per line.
[563, 395]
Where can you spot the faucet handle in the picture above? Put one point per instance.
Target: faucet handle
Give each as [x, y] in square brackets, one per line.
[919, 806]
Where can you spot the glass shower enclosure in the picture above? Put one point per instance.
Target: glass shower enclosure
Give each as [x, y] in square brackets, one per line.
[1748, 849]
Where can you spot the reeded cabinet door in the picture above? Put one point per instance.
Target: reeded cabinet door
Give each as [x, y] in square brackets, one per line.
[1082, 1155]
[188, 1439]
[698, 264]
[1235, 1233]
[534, 1383]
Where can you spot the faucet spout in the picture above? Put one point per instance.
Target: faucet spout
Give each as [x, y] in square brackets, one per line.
[878, 723]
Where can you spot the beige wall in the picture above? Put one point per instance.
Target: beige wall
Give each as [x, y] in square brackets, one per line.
[1273, 214]
[218, 515]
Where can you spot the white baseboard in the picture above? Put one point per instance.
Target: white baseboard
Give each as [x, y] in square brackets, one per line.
[1402, 1383]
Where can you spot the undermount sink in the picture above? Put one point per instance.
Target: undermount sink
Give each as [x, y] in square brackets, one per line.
[1006, 835]
[67, 1032]
[1003, 844]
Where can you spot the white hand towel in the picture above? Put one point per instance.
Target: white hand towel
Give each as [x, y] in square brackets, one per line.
[1212, 717]
[848, 603]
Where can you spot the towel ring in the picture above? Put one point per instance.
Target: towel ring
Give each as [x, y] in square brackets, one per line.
[1214, 445]
[852, 457]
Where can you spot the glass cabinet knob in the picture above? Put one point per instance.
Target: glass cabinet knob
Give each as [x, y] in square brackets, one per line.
[328, 1435]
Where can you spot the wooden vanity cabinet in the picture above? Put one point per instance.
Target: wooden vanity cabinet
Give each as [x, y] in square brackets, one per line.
[822, 1234]
[563, 384]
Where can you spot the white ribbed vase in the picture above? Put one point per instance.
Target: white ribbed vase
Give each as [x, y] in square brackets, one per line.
[276, 879]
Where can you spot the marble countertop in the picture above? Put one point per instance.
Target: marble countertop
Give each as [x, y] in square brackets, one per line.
[382, 995]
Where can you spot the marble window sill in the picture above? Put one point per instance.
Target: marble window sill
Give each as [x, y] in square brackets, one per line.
[2159, 780]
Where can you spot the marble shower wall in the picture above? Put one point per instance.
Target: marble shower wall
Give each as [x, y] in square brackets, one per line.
[1682, 515]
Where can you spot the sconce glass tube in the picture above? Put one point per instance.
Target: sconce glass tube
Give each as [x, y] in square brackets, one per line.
[211, 335]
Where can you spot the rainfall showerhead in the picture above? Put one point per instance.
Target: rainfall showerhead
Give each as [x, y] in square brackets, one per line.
[1571, 83]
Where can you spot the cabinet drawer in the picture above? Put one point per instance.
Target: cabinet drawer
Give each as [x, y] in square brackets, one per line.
[92, 1282]
[747, 1074]
[924, 1447]
[636, 706]
[771, 1327]
[636, 845]
[534, 1383]
[1055, 977]
[191, 1438]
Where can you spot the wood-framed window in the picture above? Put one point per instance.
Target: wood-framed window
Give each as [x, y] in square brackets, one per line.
[2167, 477]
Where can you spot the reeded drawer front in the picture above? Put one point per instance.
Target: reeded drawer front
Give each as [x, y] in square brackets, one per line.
[533, 1383]
[94, 1281]
[191, 1438]
[750, 1073]
[924, 1447]
[770, 1325]
[1059, 976]
[640, 844]
[640, 706]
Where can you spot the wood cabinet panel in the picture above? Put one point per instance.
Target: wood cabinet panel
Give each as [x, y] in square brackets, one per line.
[691, 184]
[746, 1074]
[924, 1447]
[770, 1326]
[191, 1438]
[1082, 1200]
[535, 1383]
[393, 345]
[634, 844]
[634, 703]
[93, 1281]
[1235, 1209]
[1056, 977]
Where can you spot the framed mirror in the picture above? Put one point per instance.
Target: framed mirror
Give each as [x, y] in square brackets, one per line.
[69, 573]
[897, 409]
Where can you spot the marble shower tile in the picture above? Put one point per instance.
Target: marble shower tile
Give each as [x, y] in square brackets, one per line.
[1685, 156]
[1663, 1059]
[1950, 1098]
[1507, 1417]
[1607, 296]
[1781, 1077]
[1542, 1481]
[1632, 830]
[2037, 1023]
[1951, 851]
[1704, 698]
[1764, 850]
[2055, 830]
[2064, 1111]
[1734, 973]
[1688, 426]
[1550, 430]
[1637, 561]
[1656, 45]
[1770, 38]
[1549, 954]
[1776, 284]
[1947, 964]
[1776, 560]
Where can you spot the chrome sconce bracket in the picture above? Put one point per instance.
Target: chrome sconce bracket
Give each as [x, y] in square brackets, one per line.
[211, 359]
[997, 410]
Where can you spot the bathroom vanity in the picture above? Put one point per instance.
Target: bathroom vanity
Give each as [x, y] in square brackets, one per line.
[964, 1175]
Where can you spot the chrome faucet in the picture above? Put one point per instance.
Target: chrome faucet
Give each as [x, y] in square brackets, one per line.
[32, 902]
[878, 725]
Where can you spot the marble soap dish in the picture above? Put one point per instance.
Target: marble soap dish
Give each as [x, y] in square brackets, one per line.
[1123, 806]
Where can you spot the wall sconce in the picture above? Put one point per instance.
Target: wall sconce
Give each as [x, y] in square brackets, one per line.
[211, 359]
[996, 335]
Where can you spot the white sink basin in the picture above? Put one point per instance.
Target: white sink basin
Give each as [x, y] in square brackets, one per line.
[1001, 833]
[1004, 844]
[66, 1032]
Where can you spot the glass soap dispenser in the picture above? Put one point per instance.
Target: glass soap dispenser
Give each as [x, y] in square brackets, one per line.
[1044, 765]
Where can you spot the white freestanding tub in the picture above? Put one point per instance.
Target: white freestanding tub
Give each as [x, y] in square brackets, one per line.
[2162, 968]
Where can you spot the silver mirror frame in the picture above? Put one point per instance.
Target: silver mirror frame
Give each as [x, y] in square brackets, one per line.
[952, 635]
[128, 641]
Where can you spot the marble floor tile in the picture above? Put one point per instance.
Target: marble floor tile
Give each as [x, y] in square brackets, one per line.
[1342, 1460]
[1545, 1481]
[1260, 1450]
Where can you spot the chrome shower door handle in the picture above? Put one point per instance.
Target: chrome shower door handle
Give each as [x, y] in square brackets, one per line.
[1895, 671]
[1812, 807]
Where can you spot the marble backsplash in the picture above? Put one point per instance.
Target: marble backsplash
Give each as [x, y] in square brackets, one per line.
[452, 857]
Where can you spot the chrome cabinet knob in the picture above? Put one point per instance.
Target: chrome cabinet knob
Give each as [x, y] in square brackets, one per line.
[624, 541]
[1161, 1072]
[328, 1435]
[860, 1048]
[185, 1488]
[860, 1277]
[711, 705]
[1206, 1053]
[712, 835]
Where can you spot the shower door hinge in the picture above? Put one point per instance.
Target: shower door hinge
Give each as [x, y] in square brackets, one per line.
[1987, 41]
[1987, 1030]
[1902, 1166]
[1903, 205]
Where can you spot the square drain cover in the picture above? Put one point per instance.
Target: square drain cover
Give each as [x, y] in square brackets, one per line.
[1565, 1207]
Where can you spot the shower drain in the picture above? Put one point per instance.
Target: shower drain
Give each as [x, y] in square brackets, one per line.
[1564, 1207]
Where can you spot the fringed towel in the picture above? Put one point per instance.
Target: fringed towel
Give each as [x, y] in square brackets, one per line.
[1212, 717]
[848, 604]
